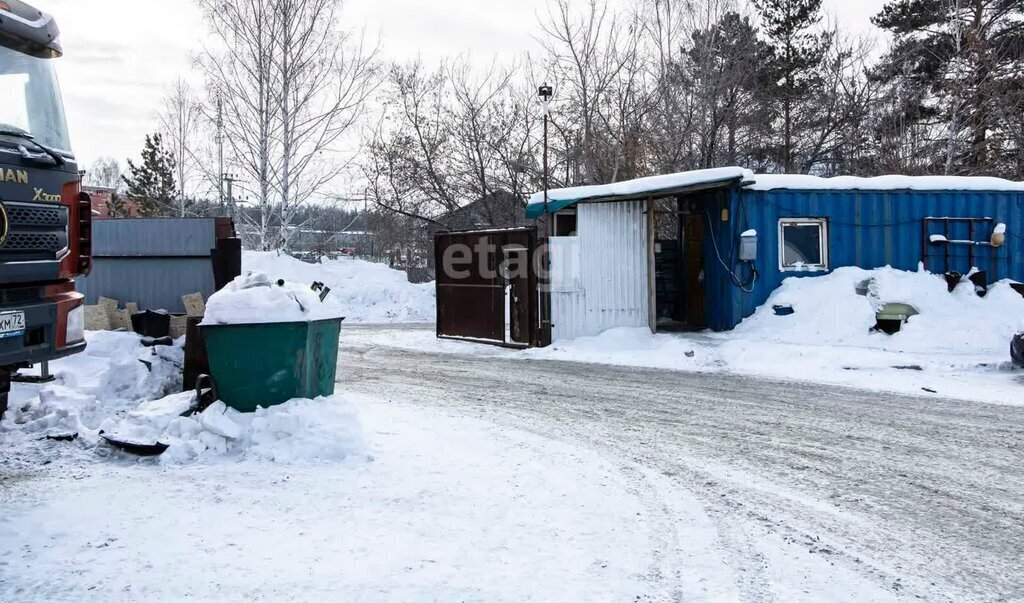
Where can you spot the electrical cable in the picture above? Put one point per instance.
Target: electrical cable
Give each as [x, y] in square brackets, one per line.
[749, 287]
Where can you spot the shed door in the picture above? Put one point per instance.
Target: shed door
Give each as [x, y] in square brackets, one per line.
[520, 292]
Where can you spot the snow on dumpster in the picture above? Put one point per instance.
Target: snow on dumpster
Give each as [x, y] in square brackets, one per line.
[253, 298]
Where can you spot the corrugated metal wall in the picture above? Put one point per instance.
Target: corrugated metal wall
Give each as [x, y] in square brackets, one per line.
[568, 301]
[611, 285]
[869, 229]
[151, 261]
[151, 237]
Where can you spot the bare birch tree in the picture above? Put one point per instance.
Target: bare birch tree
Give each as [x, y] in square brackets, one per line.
[181, 123]
[291, 86]
[105, 172]
[241, 67]
[325, 78]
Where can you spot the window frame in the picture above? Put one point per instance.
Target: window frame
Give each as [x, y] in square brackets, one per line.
[824, 244]
[564, 213]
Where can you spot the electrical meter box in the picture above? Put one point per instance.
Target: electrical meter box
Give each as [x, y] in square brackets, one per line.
[748, 246]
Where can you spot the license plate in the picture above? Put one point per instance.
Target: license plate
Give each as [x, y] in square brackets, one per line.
[12, 324]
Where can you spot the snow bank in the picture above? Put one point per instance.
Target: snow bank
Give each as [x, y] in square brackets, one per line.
[829, 311]
[253, 298]
[298, 431]
[113, 375]
[361, 291]
[121, 388]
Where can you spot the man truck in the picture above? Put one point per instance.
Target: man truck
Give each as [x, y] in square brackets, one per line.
[45, 219]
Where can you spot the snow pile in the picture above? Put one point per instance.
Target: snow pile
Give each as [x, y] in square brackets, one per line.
[298, 431]
[253, 298]
[121, 388]
[830, 311]
[361, 291]
[114, 374]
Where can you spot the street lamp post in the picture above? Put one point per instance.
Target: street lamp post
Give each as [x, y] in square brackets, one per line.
[545, 93]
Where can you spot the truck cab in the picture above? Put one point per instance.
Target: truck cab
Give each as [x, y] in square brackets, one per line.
[45, 219]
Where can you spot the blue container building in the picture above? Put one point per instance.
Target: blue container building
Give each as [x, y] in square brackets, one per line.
[720, 241]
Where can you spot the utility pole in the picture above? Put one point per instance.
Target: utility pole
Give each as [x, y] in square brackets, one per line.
[230, 180]
[220, 144]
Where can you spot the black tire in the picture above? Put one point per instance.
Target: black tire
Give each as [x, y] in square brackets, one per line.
[5, 389]
[1017, 350]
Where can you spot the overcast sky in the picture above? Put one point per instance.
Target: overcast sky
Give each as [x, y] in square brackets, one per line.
[120, 55]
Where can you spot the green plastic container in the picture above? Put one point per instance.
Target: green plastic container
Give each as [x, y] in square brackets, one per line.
[900, 312]
[255, 365]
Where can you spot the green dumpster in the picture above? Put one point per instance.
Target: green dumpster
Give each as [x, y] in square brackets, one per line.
[267, 364]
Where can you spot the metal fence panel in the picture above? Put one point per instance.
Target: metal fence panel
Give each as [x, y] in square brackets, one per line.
[154, 283]
[149, 237]
[152, 261]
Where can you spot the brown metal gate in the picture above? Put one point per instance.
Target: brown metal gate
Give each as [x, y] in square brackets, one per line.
[474, 270]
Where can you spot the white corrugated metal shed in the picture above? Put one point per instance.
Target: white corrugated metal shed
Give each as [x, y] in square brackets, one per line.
[599, 277]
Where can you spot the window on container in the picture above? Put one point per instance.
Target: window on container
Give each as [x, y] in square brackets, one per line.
[565, 224]
[803, 244]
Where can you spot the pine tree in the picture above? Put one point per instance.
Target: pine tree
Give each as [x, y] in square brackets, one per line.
[725, 70]
[798, 54]
[116, 206]
[955, 72]
[151, 184]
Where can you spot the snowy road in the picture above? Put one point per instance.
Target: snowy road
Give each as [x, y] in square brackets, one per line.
[810, 491]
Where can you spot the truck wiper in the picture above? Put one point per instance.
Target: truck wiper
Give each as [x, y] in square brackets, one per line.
[6, 130]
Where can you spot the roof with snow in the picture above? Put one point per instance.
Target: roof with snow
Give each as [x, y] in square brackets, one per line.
[766, 182]
[683, 182]
[666, 184]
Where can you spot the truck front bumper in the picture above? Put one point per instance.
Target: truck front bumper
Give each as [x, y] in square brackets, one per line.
[45, 334]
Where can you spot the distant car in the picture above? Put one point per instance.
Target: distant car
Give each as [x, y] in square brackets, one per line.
[1017, 349]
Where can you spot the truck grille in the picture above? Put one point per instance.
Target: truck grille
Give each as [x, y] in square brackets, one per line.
[35, 232]
[10, 296]
[37, 216]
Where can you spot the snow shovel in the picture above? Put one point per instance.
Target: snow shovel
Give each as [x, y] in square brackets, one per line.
[136, 448]
[205, 396]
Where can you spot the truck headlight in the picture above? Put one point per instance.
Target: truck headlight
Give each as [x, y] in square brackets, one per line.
[76, 325]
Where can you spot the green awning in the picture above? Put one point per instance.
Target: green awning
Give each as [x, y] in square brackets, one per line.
[536, 210]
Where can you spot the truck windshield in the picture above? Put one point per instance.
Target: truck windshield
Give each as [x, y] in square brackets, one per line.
[30, 100]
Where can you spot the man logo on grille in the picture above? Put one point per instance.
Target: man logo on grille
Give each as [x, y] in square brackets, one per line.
[4, 225]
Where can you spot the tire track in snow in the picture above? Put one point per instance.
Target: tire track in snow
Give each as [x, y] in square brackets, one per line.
[916, 496]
